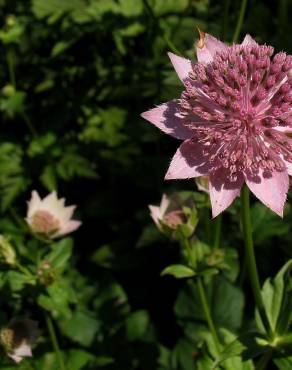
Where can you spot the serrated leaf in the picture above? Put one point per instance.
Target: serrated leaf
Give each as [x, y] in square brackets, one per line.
[178, 271]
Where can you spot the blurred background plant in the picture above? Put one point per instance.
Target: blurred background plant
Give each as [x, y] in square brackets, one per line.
[75, 76]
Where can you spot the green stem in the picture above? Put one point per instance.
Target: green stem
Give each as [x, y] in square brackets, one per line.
[239, 21]
[29, 124]
[188, 248]
[24, 270]
[225, 19]
[207, 313]
[217, 231]
[10, 63]
[11, 70]
[250, 257]
[54, 341]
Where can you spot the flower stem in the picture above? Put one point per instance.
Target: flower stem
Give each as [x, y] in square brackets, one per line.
[10, 63]
[24, 270]
[207, 313]
[225, 19]
[217, 232]
[54, 341]
[239, 21]
[250, 257]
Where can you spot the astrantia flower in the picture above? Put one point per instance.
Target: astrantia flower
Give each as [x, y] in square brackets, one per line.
[49, 216]
[234, 116]
[162, 215]
[176, 215]
[18, 338]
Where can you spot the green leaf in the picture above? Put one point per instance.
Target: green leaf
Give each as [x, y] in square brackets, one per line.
[276, 295]
[81, 327]
[137, 324]
[103, 360]
[178, 271]
[13, 104]
[248, 346]
[261, 217]
[182, 355]
[228, 313]
[60, 295]
[49, 178]
[12, 180]
[60, 47]
[17, 280]
[283, 363]
[77, 359]
[74, 165]
[166, 6]
[60, 253]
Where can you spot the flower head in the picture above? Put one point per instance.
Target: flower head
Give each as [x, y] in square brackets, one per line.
[18, 338]
[163, 215]
[234, 116]
[49, 216]
[175, 213]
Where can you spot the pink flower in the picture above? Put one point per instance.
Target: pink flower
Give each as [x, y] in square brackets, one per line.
[162, 215]
[234, 116]
[49, 216]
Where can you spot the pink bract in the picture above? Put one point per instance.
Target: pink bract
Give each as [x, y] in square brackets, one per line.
[234, 116]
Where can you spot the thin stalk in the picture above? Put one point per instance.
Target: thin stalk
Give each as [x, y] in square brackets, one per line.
[217, 232]
[55, 343]
[29, 124]
[207, 313]
[11, 71]
[239, 21]
[207, 222]
[187, 246]
[24, 270]
[10, 63]
[250, 257]
[225, 19]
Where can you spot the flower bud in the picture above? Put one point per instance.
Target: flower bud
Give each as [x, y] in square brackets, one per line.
[7, 252]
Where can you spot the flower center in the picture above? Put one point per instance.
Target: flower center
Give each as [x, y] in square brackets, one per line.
[237, 106]
[43, 222]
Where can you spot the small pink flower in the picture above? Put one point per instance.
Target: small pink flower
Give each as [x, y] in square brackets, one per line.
[234, 116]
[18, 338]
[162, 215]
[49, 216]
